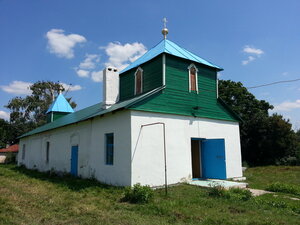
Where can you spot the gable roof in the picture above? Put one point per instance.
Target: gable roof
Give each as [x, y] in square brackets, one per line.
[60, 105]
[167, 46]
[90, 112]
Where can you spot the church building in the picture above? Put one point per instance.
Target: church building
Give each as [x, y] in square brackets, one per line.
[161, 120]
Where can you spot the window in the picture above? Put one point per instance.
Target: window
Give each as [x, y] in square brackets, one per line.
[193, 79]
[109, 143]
[23, 151]
[47, 151]
[138, 81]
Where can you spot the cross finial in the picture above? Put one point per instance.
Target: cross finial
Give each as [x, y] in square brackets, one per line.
[165, 30]
[165, 22]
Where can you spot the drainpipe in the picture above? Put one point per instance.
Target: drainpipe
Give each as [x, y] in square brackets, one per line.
[165, 150]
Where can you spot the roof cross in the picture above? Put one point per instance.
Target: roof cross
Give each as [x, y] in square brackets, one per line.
[165, 30]
[165, 22]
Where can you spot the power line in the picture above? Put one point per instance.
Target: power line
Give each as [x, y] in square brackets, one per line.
[277, 82]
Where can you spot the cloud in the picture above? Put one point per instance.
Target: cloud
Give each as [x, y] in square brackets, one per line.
[82, 73]
[287, 106]
[17, 88]
[250, 59]
[62, 45]
[253, 54]
[121, 55]
[252, 50]
[285, 74]
[70, 87]
[89, 62]
[4, 115]
[97, 76]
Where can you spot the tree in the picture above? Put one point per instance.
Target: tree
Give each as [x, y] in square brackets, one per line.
[264, 139]
[30, 112]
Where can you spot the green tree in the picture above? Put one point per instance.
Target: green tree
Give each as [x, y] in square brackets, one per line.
[264, 139]
[30, 112]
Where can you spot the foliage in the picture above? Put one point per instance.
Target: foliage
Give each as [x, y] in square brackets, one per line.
[138, 194]
[265, 139]
[232, 193]
[27, 113]
[284, 188]
[32, 197]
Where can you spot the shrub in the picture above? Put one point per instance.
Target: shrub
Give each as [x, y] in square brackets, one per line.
[239, 193]
[218, 191]
[234, 193]
[138, 194]
[284, 188]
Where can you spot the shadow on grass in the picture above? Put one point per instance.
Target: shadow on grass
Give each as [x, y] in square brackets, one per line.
[65, 180]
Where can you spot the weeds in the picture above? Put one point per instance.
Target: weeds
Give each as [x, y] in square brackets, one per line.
[232, 193]
[138, 194]
[284, 188]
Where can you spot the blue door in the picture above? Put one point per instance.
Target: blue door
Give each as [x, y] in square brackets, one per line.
[74, 160]
[213, 158]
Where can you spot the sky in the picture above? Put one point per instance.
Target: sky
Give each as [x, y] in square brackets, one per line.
[71, 41]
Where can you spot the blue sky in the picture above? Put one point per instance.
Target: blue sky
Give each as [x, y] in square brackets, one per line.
[71, 41]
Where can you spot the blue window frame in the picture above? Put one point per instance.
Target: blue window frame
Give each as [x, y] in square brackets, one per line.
[109, 144]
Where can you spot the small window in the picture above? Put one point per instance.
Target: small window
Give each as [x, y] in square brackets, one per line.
[139, 81]
[193, 80]
[47, 151]
[23, 151]
[109, 142]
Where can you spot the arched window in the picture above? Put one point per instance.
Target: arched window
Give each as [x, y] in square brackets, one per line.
[193, 78]
[138, 81]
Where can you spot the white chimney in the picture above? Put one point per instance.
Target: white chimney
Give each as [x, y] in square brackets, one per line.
[110, 86]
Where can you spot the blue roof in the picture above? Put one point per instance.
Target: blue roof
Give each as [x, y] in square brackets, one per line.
[167, 46]
[60, 105]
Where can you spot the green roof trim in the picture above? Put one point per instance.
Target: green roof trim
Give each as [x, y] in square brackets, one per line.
[90, 112]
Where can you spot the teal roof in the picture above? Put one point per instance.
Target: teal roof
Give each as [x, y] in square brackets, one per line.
[167, 46]
[60, 105]
[90, 112]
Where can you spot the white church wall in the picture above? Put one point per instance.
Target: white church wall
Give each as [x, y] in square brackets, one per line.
[90, 138]
[147, 146]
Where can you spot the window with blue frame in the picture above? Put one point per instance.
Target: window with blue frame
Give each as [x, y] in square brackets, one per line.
[109, 144]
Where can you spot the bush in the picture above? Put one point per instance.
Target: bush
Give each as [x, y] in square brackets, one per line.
[138, 194]
[233, 193]
[284, 188]
[239, 193]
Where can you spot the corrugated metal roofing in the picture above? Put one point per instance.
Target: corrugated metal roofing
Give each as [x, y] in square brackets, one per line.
[90, 112]
[167, 46]
[60, 105]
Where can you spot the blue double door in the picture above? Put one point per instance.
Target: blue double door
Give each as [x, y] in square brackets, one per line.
[74, 160]
[208, 158]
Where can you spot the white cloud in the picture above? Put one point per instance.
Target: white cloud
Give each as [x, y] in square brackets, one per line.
[89, 61]
[253, 54]
[62, 45]
[17, 88]
[4, 115]
[252, 50]
[70, 87]
[287, 106]
[82, 73]
[250, 59]
[120, 55]
[97, 76]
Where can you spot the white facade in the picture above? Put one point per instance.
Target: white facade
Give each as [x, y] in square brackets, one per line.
[138, 152]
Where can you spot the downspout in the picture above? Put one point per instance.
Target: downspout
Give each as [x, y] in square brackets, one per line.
[165, 150]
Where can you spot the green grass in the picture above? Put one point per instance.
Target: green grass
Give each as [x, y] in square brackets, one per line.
[30, 197]
[262, 177]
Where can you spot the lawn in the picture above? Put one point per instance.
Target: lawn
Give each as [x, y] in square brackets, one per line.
[31, 197]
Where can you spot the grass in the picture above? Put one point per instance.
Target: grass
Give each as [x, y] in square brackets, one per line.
[31, 197]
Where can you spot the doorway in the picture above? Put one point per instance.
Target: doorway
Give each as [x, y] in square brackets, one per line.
[74, 160]
[208, 158]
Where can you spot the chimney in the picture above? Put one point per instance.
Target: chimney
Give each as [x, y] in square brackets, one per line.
[110, 86]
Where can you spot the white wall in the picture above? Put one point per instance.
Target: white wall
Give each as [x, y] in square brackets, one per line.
[147, 146]
[90, 137]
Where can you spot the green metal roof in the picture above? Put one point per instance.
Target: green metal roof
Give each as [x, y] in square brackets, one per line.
[90, 112]
[60, 105]
[167, 46]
